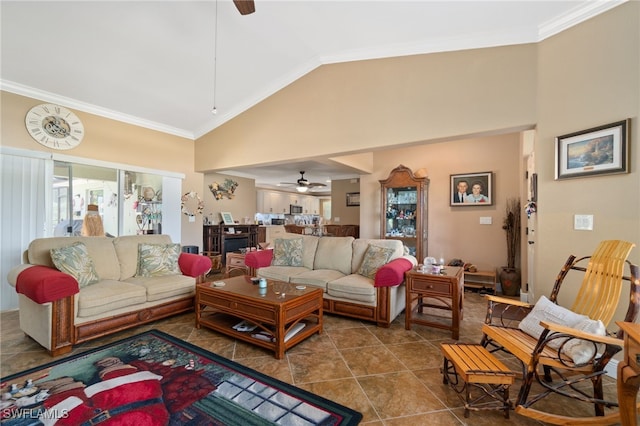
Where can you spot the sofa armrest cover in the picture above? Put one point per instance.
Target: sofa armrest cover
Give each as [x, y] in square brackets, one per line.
[194, 265]
[43, 284]
[258, 259]
[392, 273]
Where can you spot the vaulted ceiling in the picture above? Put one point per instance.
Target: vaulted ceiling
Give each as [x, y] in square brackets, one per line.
[164, 65]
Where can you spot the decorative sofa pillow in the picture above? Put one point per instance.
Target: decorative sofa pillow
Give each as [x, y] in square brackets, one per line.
[546, 310]
[374, 258]
[156, 260]
[287, 252]
[75, 261]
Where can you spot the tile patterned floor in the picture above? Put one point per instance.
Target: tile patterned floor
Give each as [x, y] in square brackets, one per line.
[391, 375]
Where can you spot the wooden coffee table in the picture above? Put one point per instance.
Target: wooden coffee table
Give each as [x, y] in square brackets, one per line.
[277, 318]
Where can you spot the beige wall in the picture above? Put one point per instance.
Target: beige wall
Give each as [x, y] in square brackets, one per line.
[339, 209]
[453, 232]
[360, 106]
[112, 141]
[588, 76]
[242, 205]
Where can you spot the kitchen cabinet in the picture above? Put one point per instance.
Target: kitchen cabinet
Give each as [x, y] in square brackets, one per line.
[277, 202]
[311, 205]
[273, 202]
[404, 210]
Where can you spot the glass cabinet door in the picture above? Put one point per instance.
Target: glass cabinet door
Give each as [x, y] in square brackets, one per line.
[401, 216]
[404, 210]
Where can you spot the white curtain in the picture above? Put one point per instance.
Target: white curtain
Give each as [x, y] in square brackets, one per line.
[24, 196]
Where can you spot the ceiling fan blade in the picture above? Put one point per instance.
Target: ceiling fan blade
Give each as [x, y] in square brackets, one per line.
[245, 7]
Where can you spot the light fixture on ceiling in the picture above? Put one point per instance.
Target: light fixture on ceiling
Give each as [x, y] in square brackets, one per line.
[214, 111]
[303, 185]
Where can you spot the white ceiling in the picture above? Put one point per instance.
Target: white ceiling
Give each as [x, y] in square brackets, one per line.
[152, 63]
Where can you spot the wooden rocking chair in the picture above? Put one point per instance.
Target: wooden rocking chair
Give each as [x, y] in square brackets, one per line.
[597, 298]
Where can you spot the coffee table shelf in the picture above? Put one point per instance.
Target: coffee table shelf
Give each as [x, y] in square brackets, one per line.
[220, 308]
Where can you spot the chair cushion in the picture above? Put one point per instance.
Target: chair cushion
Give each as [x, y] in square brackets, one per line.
[109, 295]
[374, 258]
[317, 277]
[155, 260]
[75, 261]
[281, 273]
[162, 287]
[334, 253]
[287, 252]
[355, 287]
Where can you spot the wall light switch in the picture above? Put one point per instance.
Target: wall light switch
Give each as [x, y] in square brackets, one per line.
[486, 220]
[583, 222]
[336, 219]
[192, 218]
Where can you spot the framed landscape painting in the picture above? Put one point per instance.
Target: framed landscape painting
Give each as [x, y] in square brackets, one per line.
[597, 151]
[471, 189]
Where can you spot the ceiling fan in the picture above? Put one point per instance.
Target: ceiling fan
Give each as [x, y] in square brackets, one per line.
[245, 7]
[303, 185]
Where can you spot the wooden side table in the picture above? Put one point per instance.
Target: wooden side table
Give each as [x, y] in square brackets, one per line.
[424, 289]
[629, 374]
[235, 265]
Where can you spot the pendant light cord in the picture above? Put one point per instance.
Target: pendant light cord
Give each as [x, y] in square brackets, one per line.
[215, 62]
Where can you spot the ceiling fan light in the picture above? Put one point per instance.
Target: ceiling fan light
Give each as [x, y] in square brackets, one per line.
[301, 188]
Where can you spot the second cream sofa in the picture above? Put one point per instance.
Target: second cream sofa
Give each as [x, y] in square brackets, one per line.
[332, 263]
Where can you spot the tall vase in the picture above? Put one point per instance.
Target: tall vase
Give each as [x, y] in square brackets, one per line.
[510, 281]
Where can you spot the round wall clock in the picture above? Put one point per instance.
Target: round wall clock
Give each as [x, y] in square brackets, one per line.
[54, 126]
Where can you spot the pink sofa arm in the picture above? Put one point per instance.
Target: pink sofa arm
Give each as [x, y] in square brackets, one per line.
[392, 273]
[194, 265]
[258, 259]
[43, 284]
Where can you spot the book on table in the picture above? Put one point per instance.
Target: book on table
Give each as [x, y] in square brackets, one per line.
[269, 337]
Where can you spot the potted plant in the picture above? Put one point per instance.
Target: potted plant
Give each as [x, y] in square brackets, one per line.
[510, 275]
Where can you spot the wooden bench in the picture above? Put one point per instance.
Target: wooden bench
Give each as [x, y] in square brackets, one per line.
[479, 370]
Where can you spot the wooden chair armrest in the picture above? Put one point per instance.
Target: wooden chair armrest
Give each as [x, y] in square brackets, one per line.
[582, 335]
[508, 301]
[513, 310]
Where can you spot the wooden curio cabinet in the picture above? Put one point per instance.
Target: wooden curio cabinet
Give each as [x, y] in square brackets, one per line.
[404, 210]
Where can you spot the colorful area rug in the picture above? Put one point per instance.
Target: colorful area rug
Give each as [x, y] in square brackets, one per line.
[156, 379]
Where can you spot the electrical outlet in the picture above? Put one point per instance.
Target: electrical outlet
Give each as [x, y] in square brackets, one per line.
[486, 220]
[336, 219]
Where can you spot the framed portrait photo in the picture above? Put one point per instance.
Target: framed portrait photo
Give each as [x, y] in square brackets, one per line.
[227, 218]
[597, 151]
[471, 189]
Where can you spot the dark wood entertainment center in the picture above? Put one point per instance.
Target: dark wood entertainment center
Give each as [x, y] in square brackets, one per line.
[220, 239]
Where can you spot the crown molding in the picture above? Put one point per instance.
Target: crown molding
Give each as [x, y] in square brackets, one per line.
[581, 13]
[19, 89]
[584, 12]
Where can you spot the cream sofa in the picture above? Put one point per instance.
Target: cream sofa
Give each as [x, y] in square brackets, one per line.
[333, 263]
[57, 314]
